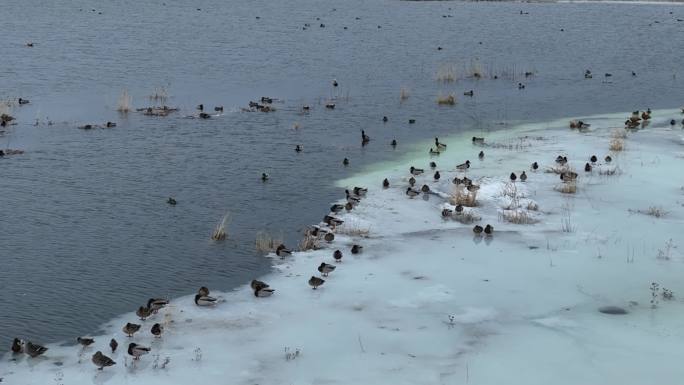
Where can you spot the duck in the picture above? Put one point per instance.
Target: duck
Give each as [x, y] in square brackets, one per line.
[568, 176]
[315, 282]
[102, 361]
[264, 177]
[587, 167]
[298, 148]
[16, 345]
[412, 121]
[356, 249]
[113, 345]
[513, 177]
[257, 285]
[561, 160]
[85, 341]
[329, 237]
[345, 162]
[325, 268]
[171, 201]
[393, 143]
[416, 171]
[469, 93]
[330, 106]
[587, 74]
[464, 166]
[412, 193]
[440, 146]
[23, 101]
[478, 229]
[336, 208]
[337, 255]
[137, 351]
[481, 155]
[348, 206]
[646, 115]
[200, 107]
[155, 304]
[433, 152]
[412, 181]
[478, 139]
[283, 252]
[130, 328]
[204, 291]
[472, 187]
[218, 108]
[436, 176]
[332, 221]
[156, 330]
[360, 191]
[34, 350]
[593, 159]
[306, 108]
[266, 99]
[457, 181]
[384, 119]
[385, 183]
[467, 181]
[364, 138]
[425, 188]
[458, 209]
[204, 300]
[334, 83]
[608, 159]
[535, 166]
[143, 312]
[489, 229]
[523, 177]
[446, 213]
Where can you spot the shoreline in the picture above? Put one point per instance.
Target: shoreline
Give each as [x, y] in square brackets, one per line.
[421, 297]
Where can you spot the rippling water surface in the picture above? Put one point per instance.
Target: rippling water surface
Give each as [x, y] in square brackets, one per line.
[85, 232]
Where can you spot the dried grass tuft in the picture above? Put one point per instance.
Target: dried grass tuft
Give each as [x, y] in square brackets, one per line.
[566, 187]
[219, 233]
[654, 211]
[354, 228]
[463, 197]
[520, 217]
[446, 100]
[124, 102]
[446, 73]
[266, 242]
[403, 94]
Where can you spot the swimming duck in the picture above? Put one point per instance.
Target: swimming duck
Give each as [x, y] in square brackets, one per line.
[130, 328]
[143, 312]
[23, 101]
[136, 350]
[478, 229]
[337, 255]
[218, 108]
[587, 167]
[489, 229]
[282, 251]
[608, 159]
[329, 237]
[393, 143]
[385, 183]
[433, 152]
[440, 146]
[101, 361]
[264, 176]
[412, 181]
[587, 74]
[412, 193]
[469, 93]
[330, 106]
[155, 304]
[436, 176]
[416, 171]
[305, 107]
[171, 201]
[315, 282]
[568, 176]
[16, 345]
[593, 159]
[384, 119]
[364, 138]
[85, 341]
[673, 122]
[266, 99]
[478, 139]
[157, 330]
[521, 86]
[200, 107]
[113, 345]
[204, 300]
[464, 166]
[345, 162]
[356, 249]
[110, 124]
[360, 191]
[257, 285]
[412, 121]
[203, 291]
[481, 155]
[334, 81]
[513, 177]
[298, 148]
[425, 188]
[326, 269]
[446, 213]
[523, 176]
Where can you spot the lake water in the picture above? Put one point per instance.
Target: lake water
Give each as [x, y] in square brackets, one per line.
[85, 233]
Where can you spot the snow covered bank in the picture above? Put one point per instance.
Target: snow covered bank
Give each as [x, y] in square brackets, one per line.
[428, 302]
